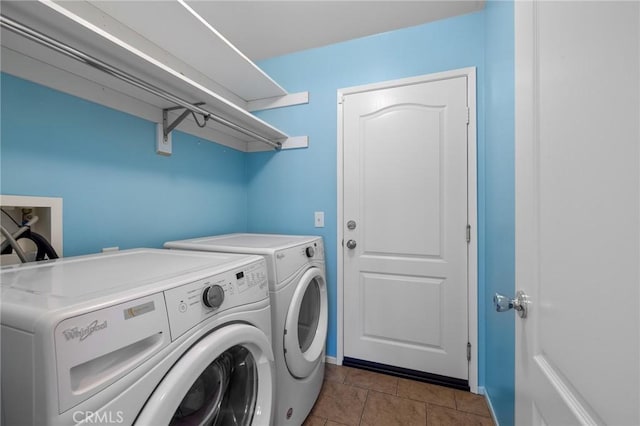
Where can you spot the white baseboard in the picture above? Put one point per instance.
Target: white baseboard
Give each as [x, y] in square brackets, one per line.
[330, 360]
[483, 391]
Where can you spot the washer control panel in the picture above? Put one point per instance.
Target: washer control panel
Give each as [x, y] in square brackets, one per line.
[195, 302]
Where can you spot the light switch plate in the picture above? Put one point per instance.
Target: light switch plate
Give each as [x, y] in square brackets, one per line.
[319, 219]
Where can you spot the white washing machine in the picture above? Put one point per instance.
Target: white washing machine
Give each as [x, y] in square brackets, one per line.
[299, 307]
[144, 337]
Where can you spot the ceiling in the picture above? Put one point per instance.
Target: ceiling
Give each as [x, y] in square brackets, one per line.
[264, 29]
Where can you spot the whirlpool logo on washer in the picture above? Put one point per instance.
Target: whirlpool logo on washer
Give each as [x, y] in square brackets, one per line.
[82, 333]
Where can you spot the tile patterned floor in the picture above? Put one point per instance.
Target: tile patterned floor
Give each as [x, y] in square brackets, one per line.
[356, 397]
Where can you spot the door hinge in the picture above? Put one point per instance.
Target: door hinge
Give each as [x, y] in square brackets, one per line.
[468, 233]
[468, 114]
[468, 351]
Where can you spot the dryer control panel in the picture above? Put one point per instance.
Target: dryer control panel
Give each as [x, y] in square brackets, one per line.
[290, 260]
[195, 302]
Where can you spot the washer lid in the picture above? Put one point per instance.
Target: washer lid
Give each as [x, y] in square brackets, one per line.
[48, 292]
[261, 243]
[80, 276]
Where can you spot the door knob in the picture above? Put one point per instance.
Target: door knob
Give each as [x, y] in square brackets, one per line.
[351, 244]
[520, 303]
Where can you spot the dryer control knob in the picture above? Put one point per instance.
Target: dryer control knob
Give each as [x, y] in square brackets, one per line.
[310, 251]
[213, 296]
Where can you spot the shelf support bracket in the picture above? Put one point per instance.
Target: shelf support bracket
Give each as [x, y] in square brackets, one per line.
[168, 128]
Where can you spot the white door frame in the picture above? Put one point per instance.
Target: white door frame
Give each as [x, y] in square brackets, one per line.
[472, 297]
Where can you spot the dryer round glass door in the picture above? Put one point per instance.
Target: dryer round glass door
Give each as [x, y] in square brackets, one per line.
[306, 324]
[224, 379]
[309, 316]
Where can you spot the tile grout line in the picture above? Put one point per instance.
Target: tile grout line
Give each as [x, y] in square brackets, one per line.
[426, 414]
[363, 407]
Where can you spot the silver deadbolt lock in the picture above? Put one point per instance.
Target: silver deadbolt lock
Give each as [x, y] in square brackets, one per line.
[351, 225]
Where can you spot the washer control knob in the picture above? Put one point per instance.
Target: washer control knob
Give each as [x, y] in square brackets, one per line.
[213, 296]
[310, 251]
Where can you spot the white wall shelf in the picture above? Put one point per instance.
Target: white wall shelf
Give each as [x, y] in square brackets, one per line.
[175, 50]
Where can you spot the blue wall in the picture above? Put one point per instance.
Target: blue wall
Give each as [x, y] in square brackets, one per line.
[286, 188]
[103, 163]
[116, 191]
[497, 176]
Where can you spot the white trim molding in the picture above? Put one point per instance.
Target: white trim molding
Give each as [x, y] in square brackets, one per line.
[482, 391]
[330, 360]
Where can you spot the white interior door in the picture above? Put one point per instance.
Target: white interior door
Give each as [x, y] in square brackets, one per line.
[577, 212]
[405, 225]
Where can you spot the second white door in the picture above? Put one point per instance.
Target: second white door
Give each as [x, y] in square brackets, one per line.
[578, 212]
[405, 226]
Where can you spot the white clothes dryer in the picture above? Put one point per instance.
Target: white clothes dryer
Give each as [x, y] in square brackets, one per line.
[299, 308]
[143, 337]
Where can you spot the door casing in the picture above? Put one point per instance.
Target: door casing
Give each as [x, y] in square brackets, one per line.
[472, 211]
